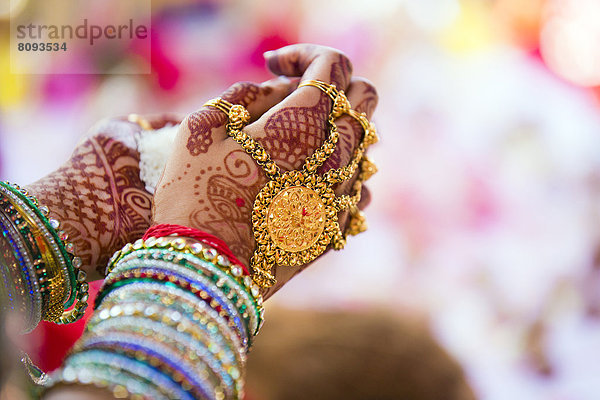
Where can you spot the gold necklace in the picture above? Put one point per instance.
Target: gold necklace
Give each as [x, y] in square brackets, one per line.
[295, 215]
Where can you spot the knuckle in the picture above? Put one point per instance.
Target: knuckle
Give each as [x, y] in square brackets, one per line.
[366, 87]
[364, 96]
[336, 55]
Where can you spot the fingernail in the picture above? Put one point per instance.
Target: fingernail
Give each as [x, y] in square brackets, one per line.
[268, 54]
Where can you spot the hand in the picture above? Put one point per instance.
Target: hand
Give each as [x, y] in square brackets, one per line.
[210, 182]
[98, 195]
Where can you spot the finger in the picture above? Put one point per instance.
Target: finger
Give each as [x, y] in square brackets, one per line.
[202, 128]
[260, 98]
[363, 96]
[311, 62]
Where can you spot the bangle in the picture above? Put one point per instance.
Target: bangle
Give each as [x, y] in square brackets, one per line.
[199, 287]
[30, 264]
[122, 376]
[21, 287]
[57, 270]
[200, 315]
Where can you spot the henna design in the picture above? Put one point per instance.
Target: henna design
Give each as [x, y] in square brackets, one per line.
[350, 134]
[294, 63]
[369, 102]
[290, 135]
[293, 133]
[231, 196]
[202, 122]
[99, 198]
[341, 71]
[245, 93]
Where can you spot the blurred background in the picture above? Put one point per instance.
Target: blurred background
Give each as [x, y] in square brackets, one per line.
[485, 220]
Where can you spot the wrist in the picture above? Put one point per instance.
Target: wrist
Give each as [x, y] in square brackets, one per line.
[59, 195]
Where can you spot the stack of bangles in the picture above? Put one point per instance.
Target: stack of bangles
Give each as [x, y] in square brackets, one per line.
[41, 275]
[174, 320]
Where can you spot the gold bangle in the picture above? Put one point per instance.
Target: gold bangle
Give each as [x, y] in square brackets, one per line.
[63, 280]
[57, 285]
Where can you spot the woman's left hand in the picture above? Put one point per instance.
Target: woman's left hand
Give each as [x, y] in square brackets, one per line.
[97, 195]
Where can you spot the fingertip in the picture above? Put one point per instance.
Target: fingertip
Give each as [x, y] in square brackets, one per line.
[273, 63]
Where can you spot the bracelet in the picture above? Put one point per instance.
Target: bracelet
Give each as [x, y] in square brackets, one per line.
[184, 246]
[203, 291]
[46, 260]
[133, 300]
[247, 300]
[122, 376]
[20, 268]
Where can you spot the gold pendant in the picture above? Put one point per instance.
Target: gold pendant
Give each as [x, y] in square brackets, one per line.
[294, 219]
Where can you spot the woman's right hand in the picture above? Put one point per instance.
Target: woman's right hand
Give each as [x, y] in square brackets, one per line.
[210, 183]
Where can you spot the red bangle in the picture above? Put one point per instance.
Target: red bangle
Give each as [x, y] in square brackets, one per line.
[163, 230]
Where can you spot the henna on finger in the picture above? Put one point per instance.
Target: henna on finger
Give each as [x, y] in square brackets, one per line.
[291, 134]
[364, 95]
[311, 62]
[203, 123]
[341, 71]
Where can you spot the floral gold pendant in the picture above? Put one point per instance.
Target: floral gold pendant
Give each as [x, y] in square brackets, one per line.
[294, 219]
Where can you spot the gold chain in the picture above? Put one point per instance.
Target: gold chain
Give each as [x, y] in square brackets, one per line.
[295, 215]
